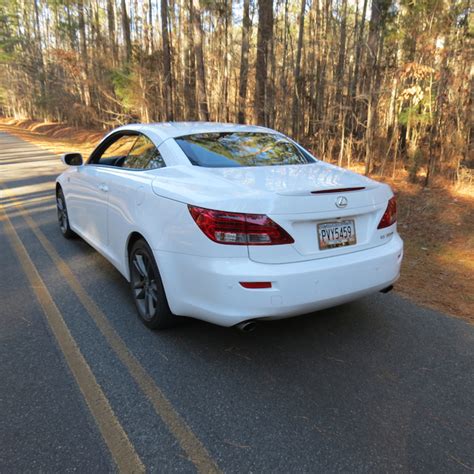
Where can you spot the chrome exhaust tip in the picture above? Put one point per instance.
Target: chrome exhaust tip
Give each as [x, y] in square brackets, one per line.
[246, 326]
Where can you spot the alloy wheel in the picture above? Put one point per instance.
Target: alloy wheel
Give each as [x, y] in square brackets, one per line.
[62, 214]
[144, 284]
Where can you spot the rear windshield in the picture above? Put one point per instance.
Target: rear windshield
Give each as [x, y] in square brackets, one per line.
[233, 149]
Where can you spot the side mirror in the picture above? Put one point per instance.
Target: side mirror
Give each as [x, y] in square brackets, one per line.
[72, 159]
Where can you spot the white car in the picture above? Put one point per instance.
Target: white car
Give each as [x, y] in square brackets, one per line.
[229, 223]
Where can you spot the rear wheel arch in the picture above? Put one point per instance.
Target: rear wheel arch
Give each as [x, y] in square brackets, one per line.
[143, 278]
[132, 238]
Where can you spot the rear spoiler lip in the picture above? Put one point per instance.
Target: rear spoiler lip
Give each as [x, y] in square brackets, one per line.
[338, 190]
[308, 192]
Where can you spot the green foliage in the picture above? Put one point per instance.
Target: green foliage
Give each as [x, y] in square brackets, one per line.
[126, 85]
[414, 116]
[9, 40]
[7, 49]
[122, 80]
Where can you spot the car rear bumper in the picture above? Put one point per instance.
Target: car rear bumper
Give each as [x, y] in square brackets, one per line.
[209, 289]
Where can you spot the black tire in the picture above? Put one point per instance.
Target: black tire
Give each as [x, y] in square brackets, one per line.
[63, 218]
[147, 288]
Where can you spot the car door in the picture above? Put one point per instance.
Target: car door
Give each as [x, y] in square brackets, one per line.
[89, 190]
[128, 187]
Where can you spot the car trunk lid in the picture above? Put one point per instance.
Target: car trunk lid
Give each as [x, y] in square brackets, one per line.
[300, 198]
[297, 197]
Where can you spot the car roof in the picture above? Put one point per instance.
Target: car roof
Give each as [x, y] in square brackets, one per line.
[165, 130]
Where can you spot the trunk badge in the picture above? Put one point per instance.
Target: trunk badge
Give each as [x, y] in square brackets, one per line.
[341, 201]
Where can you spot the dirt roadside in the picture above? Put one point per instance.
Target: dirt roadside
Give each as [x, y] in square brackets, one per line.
[437, 225]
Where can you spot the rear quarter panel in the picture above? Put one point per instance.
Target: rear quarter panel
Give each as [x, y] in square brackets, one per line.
[166, 224]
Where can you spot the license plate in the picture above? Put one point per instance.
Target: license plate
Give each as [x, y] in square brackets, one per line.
[336, 234]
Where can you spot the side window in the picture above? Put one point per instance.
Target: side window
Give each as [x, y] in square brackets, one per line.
[144, 155]
[115, 153]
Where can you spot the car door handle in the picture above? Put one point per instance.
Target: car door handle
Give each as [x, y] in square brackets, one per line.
[103, 187]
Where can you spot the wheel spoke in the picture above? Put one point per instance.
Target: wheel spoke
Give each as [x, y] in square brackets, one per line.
[139, 264]
[144, 286]
[62, 214]
[140, 293]
[147, 308]
[154, 292]
[149, 304]
[62, 220]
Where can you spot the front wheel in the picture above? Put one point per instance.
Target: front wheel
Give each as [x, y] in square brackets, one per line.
[147, 288]
[63, 218]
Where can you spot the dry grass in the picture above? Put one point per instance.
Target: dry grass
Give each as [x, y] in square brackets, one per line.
[437, 225]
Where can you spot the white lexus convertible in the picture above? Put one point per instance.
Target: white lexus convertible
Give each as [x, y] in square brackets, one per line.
[229, 223]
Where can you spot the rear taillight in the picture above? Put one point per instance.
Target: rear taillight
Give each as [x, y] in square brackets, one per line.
[390, 215]
[234, 228]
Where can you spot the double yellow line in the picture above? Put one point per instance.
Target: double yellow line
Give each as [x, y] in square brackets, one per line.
[121, 449]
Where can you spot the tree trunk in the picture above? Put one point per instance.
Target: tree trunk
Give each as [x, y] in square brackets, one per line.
[264, 40]
[190, 71]
[342, 55]
[167, 75]
[84, 53]
[372, 74]
[199, 57]
[227, 56]
[126, 33]
[284, 69]
[354, 88]
[42, 76]
[297, 93]
[148, 25]
[436, 119]
[244, 62]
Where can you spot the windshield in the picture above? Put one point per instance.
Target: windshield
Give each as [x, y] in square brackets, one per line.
[232, 149]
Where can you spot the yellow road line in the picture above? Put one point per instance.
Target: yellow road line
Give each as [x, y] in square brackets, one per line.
[191, 445]
[122, 451]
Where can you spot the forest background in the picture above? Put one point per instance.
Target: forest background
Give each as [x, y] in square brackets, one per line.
[383, 83]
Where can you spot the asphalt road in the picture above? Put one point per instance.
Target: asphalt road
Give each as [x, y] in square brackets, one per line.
[378, 385]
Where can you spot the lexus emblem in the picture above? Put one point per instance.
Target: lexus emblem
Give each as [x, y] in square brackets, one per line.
[341, 201]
